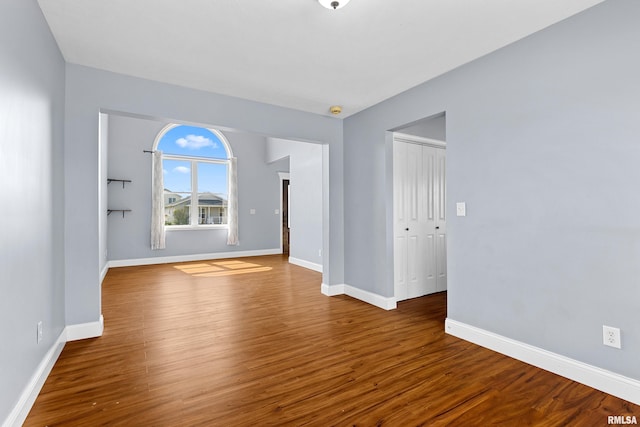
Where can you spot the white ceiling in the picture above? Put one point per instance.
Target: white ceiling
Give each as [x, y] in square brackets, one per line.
[294, 53]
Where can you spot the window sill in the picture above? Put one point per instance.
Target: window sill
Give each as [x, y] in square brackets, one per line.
[195, 227]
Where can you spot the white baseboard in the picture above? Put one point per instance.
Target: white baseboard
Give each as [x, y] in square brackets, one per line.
[31, 391]
[85, 330]
[386, 303]
[195, 257]
[601, 379]
[104, 271]
[306, 264]
[331, 290]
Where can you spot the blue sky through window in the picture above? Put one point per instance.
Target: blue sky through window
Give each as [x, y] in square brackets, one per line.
[197, 142]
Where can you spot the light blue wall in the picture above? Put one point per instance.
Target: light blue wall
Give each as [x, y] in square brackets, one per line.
[88, 91]
[31, 219]
[128, 237]
[543, 145]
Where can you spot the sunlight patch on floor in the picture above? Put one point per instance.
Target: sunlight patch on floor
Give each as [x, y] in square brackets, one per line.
[221, 268]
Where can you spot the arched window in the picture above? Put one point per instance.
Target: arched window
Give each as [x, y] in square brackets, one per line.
[195, 163]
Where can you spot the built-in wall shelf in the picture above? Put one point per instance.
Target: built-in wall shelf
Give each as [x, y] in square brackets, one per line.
[118, 210]
[123, 181]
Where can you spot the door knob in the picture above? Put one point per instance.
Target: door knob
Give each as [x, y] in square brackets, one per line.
[406, 229]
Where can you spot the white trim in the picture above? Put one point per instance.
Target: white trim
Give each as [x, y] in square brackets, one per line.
[28, 396]
[195, 257]
[85, 330]
[282, 176]
[601, 379]
[197, 227]
[412, 139]
[386, 303]
[104, 271]
[332, 290]
[306, 264]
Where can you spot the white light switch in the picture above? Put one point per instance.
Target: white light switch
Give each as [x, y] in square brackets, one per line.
[461, 209]
[252, 211]
[277, 211]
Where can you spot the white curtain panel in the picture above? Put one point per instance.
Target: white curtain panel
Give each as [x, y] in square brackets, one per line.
[157, 203]
[232, 237]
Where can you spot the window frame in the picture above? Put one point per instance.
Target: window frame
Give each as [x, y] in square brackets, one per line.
[194, 209]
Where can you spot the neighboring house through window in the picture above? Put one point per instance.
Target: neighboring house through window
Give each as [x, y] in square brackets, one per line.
[195, 168]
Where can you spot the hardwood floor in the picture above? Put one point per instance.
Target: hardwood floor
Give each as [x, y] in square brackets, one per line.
[253, 342]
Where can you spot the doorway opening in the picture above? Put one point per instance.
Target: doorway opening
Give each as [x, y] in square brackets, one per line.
[419, 209]
[284, 208]
[302, 222]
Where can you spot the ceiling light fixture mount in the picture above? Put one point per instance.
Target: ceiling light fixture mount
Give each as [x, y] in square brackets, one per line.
[333, 4]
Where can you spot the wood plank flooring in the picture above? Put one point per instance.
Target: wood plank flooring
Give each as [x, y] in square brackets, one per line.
[253, 342]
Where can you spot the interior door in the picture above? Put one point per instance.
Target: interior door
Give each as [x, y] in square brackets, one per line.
[416, 228]
[419, 199]
[441, 221]
[400, 222]
[410, 229]
[430, 207]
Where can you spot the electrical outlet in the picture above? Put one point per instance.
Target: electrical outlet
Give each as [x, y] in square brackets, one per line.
[611, 336]
[39, 331]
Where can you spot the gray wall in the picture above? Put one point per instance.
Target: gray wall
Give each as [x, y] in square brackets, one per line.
[129, 237]
[432, 127]
[31, 223]
[305, 214]
[543, 146]
[89, 91]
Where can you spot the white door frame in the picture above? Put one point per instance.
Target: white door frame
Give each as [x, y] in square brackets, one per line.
[283, 176]
[403, 137]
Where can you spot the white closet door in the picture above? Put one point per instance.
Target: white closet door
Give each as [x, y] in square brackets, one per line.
[400, 225]
[419, 193]
[416, 225]
[430, 220]
[441, 221]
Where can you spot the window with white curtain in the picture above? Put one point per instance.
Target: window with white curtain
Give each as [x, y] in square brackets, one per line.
[195, 163]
